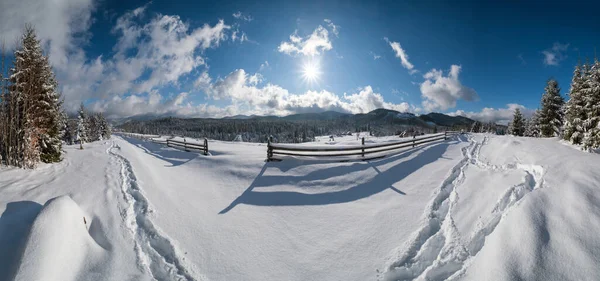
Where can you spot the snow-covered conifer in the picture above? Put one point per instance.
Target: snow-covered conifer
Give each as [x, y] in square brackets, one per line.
[82, 126]
[551, 115]
[575, 113]
[532, 128]
[517, 126]
[591, 92]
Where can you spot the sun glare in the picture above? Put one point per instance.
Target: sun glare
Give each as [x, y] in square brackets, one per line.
[311, 71]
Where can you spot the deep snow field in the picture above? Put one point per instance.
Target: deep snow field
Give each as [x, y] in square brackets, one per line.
[475, 207]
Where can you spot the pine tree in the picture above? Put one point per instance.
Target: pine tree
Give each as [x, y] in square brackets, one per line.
[591, 93]
[82, 127]
[575, 113]
[23, 150]
[48, 114]
[517, 126]
[105, 130]
[551, 115]
[31, 107]
[532, 126]
[93, 133]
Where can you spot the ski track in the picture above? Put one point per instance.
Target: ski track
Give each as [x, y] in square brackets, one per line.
[155, 252]
[436, 251]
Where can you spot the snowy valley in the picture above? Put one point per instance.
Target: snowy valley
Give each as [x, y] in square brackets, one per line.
[475, 207]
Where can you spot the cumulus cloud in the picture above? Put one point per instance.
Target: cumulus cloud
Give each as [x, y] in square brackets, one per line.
[164, 49]
[61, 25]
[441, 92]
[496, 115]
[401, 54]
[556, 54]
[155, 104]
[150, 52]
[314, 44]
[240, 88]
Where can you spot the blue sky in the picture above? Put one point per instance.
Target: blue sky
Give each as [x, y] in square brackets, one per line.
[213, 59]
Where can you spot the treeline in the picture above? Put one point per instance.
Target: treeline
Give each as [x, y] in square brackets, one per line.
[87, 127]
[259, 130]
[33, 124]
[577, 120]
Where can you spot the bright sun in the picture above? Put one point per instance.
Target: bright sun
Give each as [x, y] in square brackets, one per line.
[311, 71]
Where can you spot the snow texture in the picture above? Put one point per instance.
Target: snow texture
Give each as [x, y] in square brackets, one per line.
[476, 207]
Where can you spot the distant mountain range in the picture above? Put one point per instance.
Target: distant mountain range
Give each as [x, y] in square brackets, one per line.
[375, 116]
[297, 127]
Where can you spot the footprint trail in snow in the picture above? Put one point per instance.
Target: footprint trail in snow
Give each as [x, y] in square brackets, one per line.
[436, 251]
[156, 254]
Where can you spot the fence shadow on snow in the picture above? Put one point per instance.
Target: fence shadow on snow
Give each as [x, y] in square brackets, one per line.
[383, 180]
[174, 156]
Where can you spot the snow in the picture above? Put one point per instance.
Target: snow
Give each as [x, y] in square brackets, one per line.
[476, 207]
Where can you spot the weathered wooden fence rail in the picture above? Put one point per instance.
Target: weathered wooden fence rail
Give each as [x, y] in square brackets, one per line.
[187, 146]
[362, 150]
[170, 142]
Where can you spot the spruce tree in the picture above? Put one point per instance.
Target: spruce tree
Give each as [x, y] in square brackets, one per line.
[575, 113]
[532, 128]
[591, 92]
[517, 126]
[82, 127]
[551, 115]
[49, 115]
[105, 130]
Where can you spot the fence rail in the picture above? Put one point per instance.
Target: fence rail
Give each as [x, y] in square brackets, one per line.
[170, 142]
[357, 150]
[187, 146]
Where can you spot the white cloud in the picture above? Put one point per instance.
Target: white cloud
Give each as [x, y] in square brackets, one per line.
[375, 56]
[239, 15]
[334, 28]
[148, 55]
[155, 104]
[314, 44]
[556, 54]
[496, 115]
[241, 89]
[61, 25]
[402, 55]
[239, 36]
[263, 66]
[442, 92]
[203, 81]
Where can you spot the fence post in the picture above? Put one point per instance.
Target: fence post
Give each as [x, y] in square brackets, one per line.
[185, 145]
[363, 148]
[414, 137]
[205, 146]
[168, 143]
[269, 149]
[445, 135]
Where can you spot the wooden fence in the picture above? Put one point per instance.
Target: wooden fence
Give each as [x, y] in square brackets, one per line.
[170, 142]
[187, 146]
[356, 150]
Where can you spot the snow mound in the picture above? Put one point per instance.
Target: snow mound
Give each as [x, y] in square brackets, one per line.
[59, 246]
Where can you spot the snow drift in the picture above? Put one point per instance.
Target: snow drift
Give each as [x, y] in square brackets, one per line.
[60, 246]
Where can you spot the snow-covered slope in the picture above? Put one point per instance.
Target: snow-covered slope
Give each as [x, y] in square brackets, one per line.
[476, 207]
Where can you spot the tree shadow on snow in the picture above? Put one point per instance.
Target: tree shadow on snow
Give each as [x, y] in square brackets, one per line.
[380, 182]
[15, 224]
[174, 156]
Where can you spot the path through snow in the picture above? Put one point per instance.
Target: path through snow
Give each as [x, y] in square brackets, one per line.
[155, 252]
[437, 251]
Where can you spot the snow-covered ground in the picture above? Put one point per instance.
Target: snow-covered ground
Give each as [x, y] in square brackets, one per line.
[478, 207]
